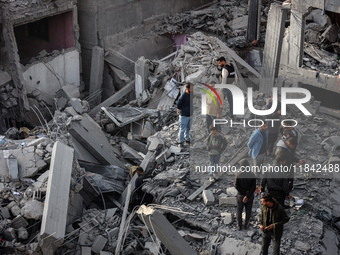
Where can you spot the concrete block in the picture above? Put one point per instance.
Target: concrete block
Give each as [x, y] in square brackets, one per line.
[12, 164]
[232, 191]
[54, 218]
[28, 172]
[22, 233]
[97, 70]
[227, 201]
[33, 210]
[237, 247]
[85, 250]
[239, 23]
[98, 244]
[208, 197]
[164, 231]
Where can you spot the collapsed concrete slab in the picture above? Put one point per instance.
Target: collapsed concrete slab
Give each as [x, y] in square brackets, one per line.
[164, 231]
[54, 218]
[89, 135]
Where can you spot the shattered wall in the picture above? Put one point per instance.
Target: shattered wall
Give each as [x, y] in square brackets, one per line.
[294, 43]
[53, 58]
[100, 19]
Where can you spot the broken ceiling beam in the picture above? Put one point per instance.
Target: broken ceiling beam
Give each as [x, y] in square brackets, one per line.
[272, 48]
[237, 58]
[90, 136]
[122, 227]
[53, 224]
[97, 71]
[164, 231]
[114, 98]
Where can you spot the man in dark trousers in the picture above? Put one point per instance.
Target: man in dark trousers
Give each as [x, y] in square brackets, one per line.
[184, 109]
[245, 184]
[277, 183]
[273, 216]
[228, 77]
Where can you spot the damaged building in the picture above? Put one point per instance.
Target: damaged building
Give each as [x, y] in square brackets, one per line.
[88, 93]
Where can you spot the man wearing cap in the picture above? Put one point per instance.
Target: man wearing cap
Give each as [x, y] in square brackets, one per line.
[273, 216]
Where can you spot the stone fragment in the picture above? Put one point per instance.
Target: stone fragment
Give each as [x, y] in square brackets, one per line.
[16, 210]
[208, 197]
[22, 233]
[33, 210]
[232, 192]
[99, 244]
[227, 201]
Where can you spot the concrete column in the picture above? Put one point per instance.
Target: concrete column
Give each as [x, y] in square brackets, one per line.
[141, 74]
[272, 49]
[252, 20]
[53, 224]
[97, 71]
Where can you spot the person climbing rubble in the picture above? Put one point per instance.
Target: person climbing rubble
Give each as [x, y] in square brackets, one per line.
[228, 77]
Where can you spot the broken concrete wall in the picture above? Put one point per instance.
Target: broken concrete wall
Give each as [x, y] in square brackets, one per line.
[64, 69]
[44, 79]
[100, 19]
[293, 46]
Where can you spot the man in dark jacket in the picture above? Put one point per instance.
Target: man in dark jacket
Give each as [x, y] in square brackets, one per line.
[245, 184]
[288, 149]
[273, 216]
[277, 183]
[184, 109]
[216, 144]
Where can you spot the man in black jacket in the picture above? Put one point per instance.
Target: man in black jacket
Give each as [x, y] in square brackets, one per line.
[277, 183]
[245, 184]
[273, 216]
[184, 109]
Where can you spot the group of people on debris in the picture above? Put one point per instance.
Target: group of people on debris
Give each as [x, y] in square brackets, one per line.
[261, 146]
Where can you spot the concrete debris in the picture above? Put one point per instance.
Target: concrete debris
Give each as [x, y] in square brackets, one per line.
[68, 179]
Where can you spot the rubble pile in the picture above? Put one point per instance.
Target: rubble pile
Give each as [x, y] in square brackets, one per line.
[322, 45]
[228, 19]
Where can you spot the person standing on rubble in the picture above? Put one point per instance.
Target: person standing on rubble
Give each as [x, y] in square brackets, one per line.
[184, 109]
[273, 216]
[287, 148]
[245, 184]
[228, 77]
[258, 145]
[216, 144]
[214, 110]
[277, 183]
